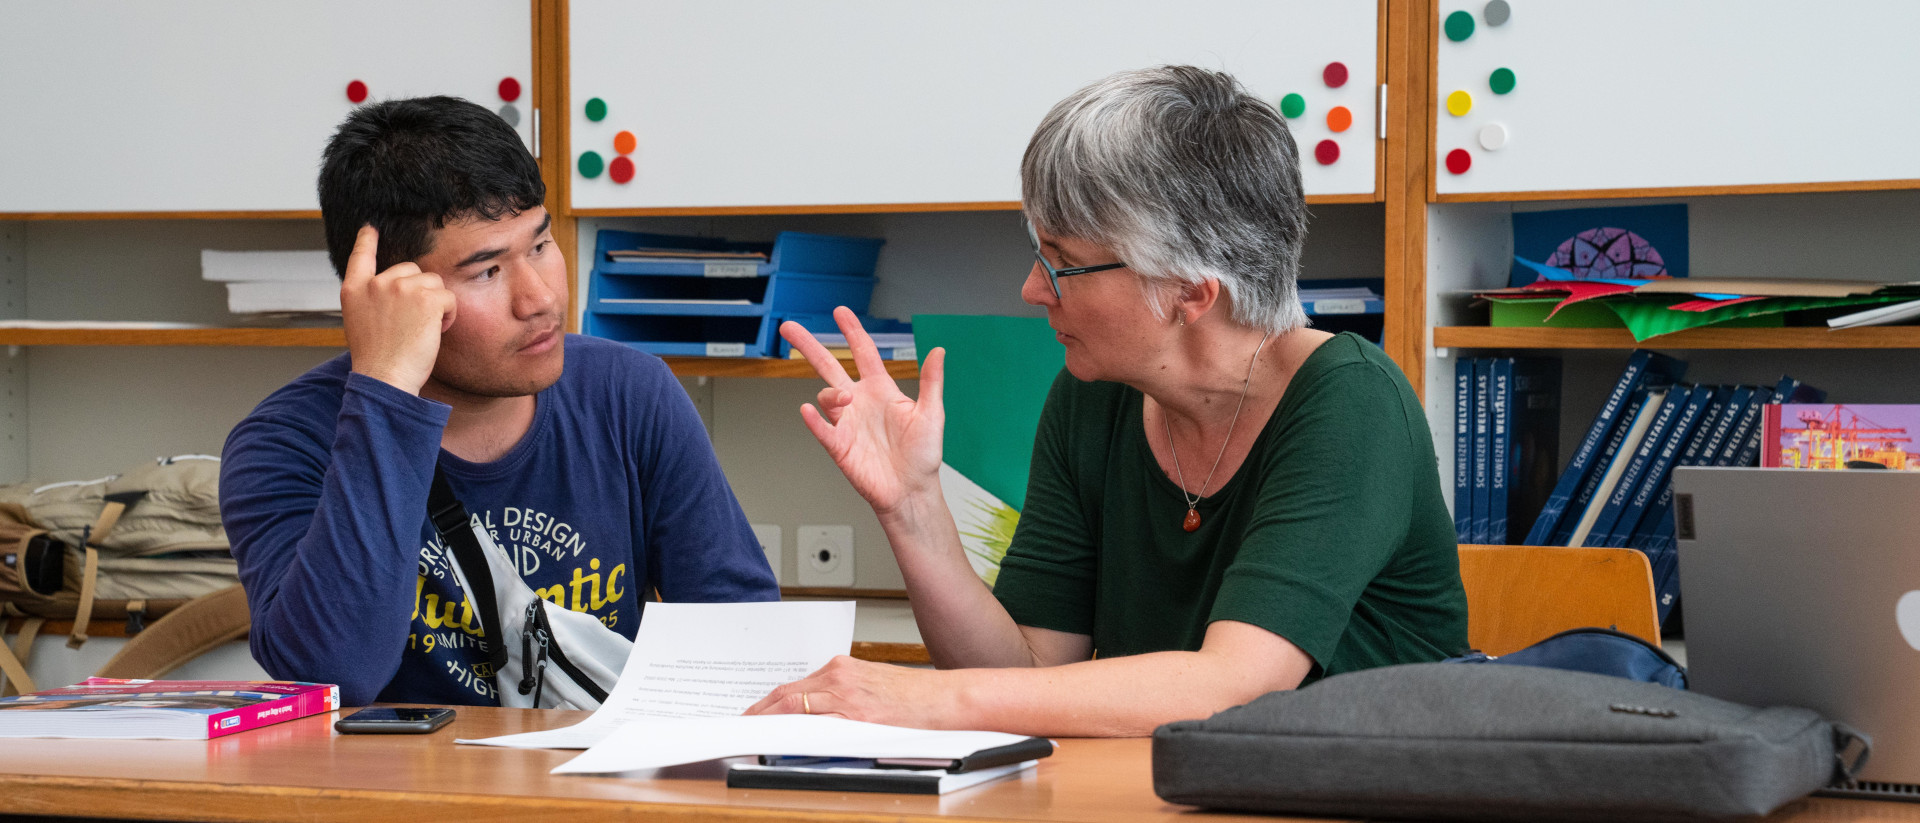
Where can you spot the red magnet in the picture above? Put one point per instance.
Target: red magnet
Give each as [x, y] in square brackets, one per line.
[621, 169]
[1327, 152]
[1335, 74]
[1458, 161]
[357, 91]
[509, 89]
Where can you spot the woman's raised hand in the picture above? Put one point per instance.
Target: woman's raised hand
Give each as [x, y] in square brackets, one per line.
[886, 443]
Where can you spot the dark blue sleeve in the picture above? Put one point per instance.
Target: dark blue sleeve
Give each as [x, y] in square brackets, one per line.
[700, 548]
[326, 526]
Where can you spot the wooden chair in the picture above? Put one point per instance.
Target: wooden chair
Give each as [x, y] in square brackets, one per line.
[1520, 595]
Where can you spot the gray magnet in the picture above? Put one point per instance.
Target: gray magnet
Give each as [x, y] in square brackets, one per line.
[512, 115]
[1497, 12]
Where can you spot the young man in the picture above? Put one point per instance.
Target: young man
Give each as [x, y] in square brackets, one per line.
[582, 457]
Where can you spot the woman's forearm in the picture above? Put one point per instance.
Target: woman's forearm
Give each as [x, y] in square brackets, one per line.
[1115, 697]
[959, 619]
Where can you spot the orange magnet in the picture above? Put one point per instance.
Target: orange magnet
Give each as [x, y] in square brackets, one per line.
[624, 143]
[1339, 119]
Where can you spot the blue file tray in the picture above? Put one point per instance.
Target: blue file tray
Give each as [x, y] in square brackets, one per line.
[722, 308]
[1363, 317]
[824, 322]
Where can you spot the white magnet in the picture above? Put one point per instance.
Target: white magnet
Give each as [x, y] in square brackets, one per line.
[1493, 136]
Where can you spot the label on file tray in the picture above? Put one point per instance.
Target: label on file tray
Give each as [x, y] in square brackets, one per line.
[726, 349]
[904, 353]
[732, 270]
[1339, 306]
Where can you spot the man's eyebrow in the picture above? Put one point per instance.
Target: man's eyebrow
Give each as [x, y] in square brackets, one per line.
[545, 224]
[480, 257]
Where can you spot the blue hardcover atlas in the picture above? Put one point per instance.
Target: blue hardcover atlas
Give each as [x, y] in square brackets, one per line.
[1526, 446]
[1638, 461]
[1482, 443]
[1710, 421]
[1547, 525]
[1746, 431]
[1660, 470]
[1463, 449]
[1499, 428]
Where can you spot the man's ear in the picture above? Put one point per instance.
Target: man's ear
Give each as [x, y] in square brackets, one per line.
[1194, 300]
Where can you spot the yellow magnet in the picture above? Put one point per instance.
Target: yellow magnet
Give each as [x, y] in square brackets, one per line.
[1459, 103]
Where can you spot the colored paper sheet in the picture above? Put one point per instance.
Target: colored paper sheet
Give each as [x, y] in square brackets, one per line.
[1560, 275]
[1709, 303]
[1648, 318]
[998, 372]
[1614, 241]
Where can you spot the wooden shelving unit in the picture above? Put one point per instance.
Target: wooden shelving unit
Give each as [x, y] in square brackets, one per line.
[337, 339]
[321, 337]
[766, 367]
[1483, 337]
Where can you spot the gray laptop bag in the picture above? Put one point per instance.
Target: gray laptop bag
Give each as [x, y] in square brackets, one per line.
[1440, 741]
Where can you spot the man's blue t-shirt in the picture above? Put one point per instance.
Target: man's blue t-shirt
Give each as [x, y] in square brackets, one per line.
[613, 495]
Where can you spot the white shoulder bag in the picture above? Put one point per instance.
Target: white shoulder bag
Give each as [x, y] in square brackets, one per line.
[546, 657]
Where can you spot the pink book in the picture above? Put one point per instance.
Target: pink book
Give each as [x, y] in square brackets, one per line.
[171, 709]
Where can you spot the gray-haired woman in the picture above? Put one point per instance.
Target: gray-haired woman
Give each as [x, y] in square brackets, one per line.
[1222, 503]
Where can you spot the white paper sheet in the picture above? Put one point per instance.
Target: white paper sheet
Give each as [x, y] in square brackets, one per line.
[694, 660]
[653, 744]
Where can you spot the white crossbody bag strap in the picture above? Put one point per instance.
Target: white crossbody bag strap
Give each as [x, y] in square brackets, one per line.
[542, 656]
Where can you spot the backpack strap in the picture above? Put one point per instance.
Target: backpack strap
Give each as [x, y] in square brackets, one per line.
[13, 662]
[451, 521]
[201, 625]
[90, 573]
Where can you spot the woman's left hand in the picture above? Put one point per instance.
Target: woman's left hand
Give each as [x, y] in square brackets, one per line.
[870, 692]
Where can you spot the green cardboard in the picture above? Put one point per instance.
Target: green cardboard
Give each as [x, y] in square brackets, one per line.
[998, 372]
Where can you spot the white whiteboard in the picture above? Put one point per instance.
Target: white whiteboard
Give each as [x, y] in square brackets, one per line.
[190, 105]
[1656, 93]
[766, 102]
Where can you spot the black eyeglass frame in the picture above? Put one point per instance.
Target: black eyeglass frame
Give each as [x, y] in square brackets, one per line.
[1053, 274]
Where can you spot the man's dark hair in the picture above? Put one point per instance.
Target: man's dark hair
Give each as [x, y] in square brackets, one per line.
[410, 166]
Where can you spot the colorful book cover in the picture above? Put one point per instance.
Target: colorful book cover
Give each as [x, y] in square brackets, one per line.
[1639, 459]
[1526, 448]
[1482, 444]
[1463, 449]
[1841, 436]
[1547, 525]
[103, 707]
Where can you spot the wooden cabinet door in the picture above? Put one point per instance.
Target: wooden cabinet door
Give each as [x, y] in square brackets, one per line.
[1634, 94]
[224, 105]
[767, 103]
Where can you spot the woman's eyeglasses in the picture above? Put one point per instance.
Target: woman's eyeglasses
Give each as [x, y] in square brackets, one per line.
[1053, 274]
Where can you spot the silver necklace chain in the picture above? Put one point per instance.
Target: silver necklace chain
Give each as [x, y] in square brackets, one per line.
[1194, 500]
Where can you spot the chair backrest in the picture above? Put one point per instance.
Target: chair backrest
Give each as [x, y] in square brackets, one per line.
[1520, 595]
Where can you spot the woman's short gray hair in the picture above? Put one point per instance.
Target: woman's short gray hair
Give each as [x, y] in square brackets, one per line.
[1186, 176]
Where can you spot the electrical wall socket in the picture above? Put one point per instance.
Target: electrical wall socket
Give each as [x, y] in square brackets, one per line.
[769, 537]
[826, 555]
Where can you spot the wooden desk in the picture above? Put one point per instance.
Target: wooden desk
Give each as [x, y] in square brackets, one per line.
[302, 770]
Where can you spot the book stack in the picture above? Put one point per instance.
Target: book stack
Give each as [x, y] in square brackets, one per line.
[275, 283]
[1616, 489]
[1506, 444]
[106, 707]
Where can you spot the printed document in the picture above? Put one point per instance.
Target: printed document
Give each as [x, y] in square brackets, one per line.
[693, 660]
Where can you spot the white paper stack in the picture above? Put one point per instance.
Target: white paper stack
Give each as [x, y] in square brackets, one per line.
[274, 282]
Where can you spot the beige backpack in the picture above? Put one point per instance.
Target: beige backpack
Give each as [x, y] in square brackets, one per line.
[136, 547]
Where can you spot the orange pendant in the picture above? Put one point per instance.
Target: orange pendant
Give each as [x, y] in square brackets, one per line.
[1192, 521]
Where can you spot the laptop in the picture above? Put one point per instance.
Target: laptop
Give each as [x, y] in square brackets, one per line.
[1802, 588]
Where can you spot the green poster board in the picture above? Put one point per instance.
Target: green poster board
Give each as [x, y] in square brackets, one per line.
[998, 373]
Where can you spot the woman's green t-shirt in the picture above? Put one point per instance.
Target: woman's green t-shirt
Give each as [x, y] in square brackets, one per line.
[1332, 534]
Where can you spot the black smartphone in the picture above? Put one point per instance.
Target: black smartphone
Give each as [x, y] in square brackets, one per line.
[379, 720]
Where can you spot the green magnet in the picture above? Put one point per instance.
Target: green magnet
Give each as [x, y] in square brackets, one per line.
[597, 108]
[1292, 106]
[1459, 26]
[591, 165]
[1501, 81]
